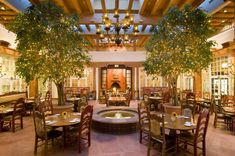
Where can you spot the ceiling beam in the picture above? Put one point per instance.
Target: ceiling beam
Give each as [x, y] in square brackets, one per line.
[143, 6]
[220, 7]
[171, 3]
[8, 4]
[159, 6]
[90, 7]
[119, 11]
[62, 5]
[143, 27]
[152, 28]
[8, 13]
[88, 27]
[103, 6]
[130, 3]
[116, 4]
[97, 18]
[77, 6]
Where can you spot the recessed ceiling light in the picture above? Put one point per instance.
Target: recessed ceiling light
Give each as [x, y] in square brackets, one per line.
[2, 8]
[223, 21]
[225, 11]
[209, 21]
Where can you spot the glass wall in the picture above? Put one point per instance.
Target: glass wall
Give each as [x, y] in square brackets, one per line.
[9, 81]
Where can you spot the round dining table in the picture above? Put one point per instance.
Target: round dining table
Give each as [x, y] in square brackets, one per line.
[179, 122]
[59, 120]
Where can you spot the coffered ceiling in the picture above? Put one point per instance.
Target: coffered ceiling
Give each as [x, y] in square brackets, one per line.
[146, 15]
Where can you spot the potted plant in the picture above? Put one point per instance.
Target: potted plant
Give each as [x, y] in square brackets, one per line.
[179, 45]
[50, 45]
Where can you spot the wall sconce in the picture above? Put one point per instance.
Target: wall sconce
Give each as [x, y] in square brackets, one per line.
[1, 72]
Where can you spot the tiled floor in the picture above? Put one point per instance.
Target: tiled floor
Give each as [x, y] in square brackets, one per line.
[220, 142]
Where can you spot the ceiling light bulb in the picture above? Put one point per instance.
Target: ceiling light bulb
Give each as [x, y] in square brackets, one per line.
[223, 21]
[225, 11]
[3, 8]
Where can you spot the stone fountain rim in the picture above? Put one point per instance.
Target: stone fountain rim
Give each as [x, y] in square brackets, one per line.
[96, 116]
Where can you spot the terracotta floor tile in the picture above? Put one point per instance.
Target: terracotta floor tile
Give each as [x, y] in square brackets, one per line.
[220, 142]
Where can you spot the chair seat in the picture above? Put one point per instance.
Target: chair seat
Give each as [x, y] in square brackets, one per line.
[187, 136]
[54, 134]
[145, 127]
[219, 115]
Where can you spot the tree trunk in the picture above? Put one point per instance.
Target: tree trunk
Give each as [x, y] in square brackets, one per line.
[174, 92]
[60, 90]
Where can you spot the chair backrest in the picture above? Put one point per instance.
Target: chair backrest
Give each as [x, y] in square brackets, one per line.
[228, 100]
[202, 124]
[169, 109]
[157, 126]
[48, 96]
[19, 107]
[86, 119]
[39, 124]
[128, 98]
[191, 107]
[45, 107]
[143, 113]
[83, 100]
[146, 97]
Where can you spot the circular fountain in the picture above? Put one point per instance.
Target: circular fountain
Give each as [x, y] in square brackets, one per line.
[115, 120]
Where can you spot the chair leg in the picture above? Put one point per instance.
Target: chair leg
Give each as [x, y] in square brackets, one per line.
[46, 147]
[21, 122]
[195, 150]
[149, 147]
[140, 136]
[204, 148]
[35, 145]
[89, 139]
[79, 144]
[13, 125]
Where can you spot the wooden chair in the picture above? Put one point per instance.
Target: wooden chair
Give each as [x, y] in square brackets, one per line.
[128, 99]
[199, 136]
[18, 113]
[42, 134]
[143, 120]
[45, 107]
[228, 100]
[219, 115]
[157, 135]
[82, 103]
[84, 132]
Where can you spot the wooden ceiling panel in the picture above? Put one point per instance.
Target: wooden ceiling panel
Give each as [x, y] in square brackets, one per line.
[7, 12]
[223, 15]
[148, 13]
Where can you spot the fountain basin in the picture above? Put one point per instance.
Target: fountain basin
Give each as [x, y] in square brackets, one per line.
[115, 120]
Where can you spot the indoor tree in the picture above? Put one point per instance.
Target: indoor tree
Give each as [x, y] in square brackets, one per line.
[179, 45]
[49, 44]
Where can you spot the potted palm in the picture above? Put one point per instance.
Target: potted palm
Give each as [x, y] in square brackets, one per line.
[179, 45]
[50, 45]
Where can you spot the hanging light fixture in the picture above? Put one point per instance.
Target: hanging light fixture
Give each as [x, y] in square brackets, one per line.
[111, 30]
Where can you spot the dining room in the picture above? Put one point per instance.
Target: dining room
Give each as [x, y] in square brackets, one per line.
[117, 77]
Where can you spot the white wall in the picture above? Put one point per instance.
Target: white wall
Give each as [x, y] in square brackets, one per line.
[223, 37]
[106, 56]
[7, 36]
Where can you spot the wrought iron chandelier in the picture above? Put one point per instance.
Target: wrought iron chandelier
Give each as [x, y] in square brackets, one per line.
[111, 31]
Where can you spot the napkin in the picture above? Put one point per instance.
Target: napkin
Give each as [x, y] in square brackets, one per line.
[50, 122]
[77, 113]
[75, 120]
[188, 124]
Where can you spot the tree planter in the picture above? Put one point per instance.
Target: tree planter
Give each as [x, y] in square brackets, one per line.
[59, 109]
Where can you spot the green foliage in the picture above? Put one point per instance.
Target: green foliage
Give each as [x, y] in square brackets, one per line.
[49, 43]
[179, 44]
